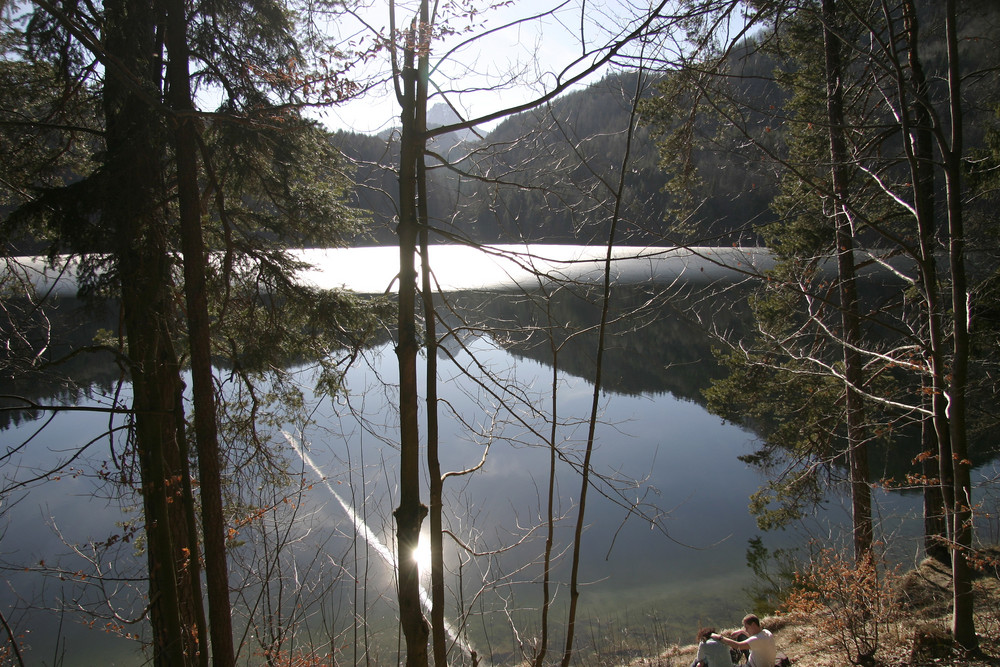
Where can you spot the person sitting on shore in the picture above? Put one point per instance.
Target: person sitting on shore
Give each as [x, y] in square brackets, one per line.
[760, 643]
[711, 652]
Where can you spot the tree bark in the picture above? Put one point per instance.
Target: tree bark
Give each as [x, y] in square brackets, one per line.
[543, 640]
[918, 146]
[857, 448]
[963, 624]
[410, 513]
[183, 124]
[133, 211]
[436, 492]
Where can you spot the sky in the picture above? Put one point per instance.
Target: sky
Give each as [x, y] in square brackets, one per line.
[513, 58]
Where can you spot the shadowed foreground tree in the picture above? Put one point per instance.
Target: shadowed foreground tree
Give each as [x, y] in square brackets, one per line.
[892, 135]
[185, 144]
[132, 216]
[125, 216]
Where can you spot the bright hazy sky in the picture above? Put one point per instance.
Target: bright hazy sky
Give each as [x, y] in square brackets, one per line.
[525, 56]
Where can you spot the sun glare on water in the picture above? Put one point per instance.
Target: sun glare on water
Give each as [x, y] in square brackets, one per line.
[422, 554]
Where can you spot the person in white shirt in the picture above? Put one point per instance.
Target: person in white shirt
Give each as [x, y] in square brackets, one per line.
[760, 643]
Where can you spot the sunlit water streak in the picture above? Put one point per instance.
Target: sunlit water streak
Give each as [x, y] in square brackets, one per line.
[371, 538]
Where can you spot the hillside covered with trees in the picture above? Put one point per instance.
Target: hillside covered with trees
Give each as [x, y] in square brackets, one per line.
[533, 176]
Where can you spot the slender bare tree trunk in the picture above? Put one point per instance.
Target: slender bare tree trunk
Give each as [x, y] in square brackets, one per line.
[963, 624]
[436, 491]
[916, 126]
[550, 500]
[410, 513]
[185, 130]
[857, 450]
[598, 376]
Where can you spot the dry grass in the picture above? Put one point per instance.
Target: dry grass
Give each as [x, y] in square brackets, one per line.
[919, 638]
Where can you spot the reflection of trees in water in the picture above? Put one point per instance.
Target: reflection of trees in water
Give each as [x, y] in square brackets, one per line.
[662, 342]
[659, 342]
[80, 358]
[72, 366]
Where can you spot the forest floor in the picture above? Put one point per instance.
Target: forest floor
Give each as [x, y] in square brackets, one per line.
[917, 636]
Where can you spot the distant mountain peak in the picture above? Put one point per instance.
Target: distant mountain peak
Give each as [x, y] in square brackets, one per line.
[441, 114]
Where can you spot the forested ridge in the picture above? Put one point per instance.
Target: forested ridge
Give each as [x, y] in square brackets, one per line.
[528, 178]
[518, 187]
[511, 184]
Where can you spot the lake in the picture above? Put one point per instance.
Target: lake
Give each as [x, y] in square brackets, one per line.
[667, 526]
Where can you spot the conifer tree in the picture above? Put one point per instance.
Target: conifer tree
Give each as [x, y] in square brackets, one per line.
[274, 182]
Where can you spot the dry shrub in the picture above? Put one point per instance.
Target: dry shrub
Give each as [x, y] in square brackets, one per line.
[986, 563]
[854, 598]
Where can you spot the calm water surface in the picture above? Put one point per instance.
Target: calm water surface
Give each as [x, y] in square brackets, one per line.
[667, 525]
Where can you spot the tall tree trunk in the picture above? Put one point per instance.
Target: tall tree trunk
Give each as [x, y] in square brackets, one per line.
[436, 491]
[963, 624]
[185, 130]
[410, 513]
[919, 148]
[857, 448]
[574, 587]
[133, 210]
[543, 640]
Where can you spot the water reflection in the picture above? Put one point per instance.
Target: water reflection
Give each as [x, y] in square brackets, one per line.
[75, 367]
[657, 337]
[678, 556]
[667, 524]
